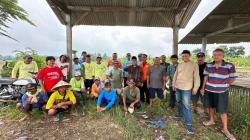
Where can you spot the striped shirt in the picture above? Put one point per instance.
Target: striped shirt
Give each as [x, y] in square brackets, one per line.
[218, 79]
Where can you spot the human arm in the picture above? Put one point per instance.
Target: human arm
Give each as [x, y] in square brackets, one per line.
[196, 79]
[112, 102]
[15, 70]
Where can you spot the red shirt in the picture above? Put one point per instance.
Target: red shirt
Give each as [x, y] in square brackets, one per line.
[145, 68]
[111, 63]
[50, 77]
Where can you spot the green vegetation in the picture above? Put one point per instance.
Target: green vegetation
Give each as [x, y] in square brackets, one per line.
[240, 124]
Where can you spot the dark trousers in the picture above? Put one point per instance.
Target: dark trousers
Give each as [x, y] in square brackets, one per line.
[81, 96]
[125, 81]
[88, 84]
[143, 92]
[172, 99]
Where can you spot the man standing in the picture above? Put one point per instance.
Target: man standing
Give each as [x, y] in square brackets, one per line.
[139, 59]
[202, 64]
[100, 69]
[156, 81]
[124, 65]
[115, 76]
[83, 59]
[135, 72]
[219, 75]
[186, 82]
[144, 89]
[24, 68]
[164, 63]
[170, 75]
[89, 73]
[76, 66]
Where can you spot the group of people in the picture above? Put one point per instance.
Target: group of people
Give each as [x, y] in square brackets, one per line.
[130, 83]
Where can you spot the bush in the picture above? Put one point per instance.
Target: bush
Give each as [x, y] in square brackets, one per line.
[240, 125]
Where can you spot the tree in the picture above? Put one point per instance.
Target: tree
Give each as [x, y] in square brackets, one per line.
[9, 10]
[235, 51]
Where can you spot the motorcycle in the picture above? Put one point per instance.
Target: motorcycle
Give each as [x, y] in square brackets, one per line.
[11, 89]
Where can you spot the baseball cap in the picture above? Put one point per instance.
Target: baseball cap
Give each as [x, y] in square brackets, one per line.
[107, 84]
[200, 54]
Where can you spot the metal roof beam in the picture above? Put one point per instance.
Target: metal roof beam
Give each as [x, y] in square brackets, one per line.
[81, 17]
[165, 18]
[132, 14]
[228, 29]
[221, 34]
[222, 17]
[120, 9]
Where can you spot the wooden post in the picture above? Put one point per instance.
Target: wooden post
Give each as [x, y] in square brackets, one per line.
[204, 44]
[176, 34]
[69, 41]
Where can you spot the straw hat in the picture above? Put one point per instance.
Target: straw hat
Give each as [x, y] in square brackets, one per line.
[61, 84]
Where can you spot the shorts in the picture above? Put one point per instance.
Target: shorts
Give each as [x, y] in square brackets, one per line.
[204, 99]
[219, 101]
[159, 92]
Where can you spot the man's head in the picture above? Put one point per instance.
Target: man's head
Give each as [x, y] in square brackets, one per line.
[200, 57]
[218, 55]
[78, 75]
[144, 58]
[140, 57]
[27, 59]
[50, 60]
[107, 86]
[186, 55]
[174, 59]
[134, 61]
[97, 80]
[63, 58]
[116, 64]
[76, 60]
[128, 56]
[31, 87]
[157, 61]
[163, 58]
[98, 59]
[115, 56]
[84, 53]
[131, 83]
[88, 58]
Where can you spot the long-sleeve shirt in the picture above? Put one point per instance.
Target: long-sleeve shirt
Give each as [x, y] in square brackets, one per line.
[24, 69]
[109, 97]
[77, 85]
[89, 70]
[100, 70]
[187, 76]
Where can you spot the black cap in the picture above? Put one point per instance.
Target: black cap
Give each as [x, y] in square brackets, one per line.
[107, 84]
[200, 54]
[31, 86]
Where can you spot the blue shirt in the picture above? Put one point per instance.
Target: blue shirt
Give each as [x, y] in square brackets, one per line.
[40, 97]
[124, 65]
[170, 73]
[81, 61]
[76, 68]
[107, 97]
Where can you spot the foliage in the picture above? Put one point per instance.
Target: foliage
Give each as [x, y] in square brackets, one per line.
[9, 10]
[240, 125]
[40, 60]
[235, 51]
[197, 50]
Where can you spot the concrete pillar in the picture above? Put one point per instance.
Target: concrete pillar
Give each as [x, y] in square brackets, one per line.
[204, 44]
[69, 41]
[175, 40]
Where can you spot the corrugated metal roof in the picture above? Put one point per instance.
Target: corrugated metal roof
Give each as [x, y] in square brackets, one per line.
[150, 13]
[229, 14]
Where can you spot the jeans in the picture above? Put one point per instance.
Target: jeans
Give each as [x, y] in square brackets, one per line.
[184, 108]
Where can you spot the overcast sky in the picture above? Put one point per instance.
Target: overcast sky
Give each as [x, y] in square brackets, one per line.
[49, 37]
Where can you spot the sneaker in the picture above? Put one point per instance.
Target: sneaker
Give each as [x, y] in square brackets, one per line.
[190, 130]
[55, 119]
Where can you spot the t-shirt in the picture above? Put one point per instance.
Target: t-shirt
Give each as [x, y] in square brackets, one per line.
[125, 64]
[170, 73]
[76, 68]
[156, 75]
[109, 97]
[145, 67]
[100, 71]
[165, 65]
[65, 70]
[77, 85]
[111, 63]
[89, 70]
[201, 70]
[39, 97]
[116, 75]
[50, 77]
[96, 89]
[218, 78]
[131, 94]
[57, 98]
[23, 69]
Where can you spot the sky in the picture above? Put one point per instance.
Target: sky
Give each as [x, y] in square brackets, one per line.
[48, 37]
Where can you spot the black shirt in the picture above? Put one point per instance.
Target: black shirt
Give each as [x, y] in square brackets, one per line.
[201, 70]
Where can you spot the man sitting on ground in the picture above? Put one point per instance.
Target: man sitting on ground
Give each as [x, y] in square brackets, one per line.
[96, 87]
[131, 96]
[107, 97]
[31, 100]
[61, 100]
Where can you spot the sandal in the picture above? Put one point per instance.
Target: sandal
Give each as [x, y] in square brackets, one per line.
[228, 135]
[208, 123]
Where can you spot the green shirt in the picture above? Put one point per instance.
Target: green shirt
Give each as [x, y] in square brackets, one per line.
[77, 85]
[100, 70]
[89, 70]
[116, 75]
[24, 69]
[131, 94]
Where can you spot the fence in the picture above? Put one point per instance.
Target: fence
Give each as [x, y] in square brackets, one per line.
[239, 99]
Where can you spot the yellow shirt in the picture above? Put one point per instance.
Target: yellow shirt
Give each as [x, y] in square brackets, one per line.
[56, 98]
[89, 70]
[24, 69]
[100, 70]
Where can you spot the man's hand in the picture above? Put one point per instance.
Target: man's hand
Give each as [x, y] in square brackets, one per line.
[82, 90]
[132, 105]
[125, 108]
[174, 88]
[100, 109]
[202, 91]
[43, 90]
[194, 92]
[164, 87]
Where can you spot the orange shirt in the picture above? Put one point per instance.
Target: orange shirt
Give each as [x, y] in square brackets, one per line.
[111, 63]
[145, 68]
